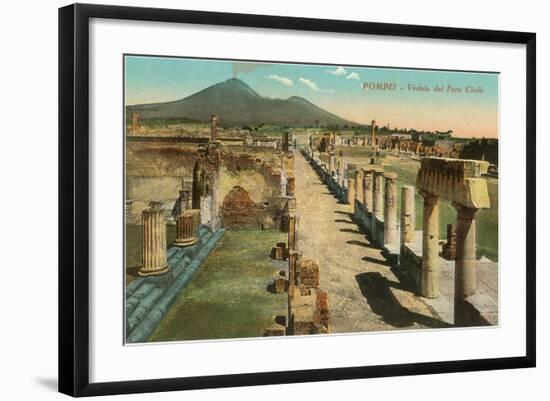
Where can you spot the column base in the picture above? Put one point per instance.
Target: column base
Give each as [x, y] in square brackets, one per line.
[185, 242]
[145, 273]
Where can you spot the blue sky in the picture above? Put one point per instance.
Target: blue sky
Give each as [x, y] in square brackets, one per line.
[335, 88]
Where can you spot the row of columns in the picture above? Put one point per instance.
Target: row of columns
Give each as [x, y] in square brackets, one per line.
[377, 191]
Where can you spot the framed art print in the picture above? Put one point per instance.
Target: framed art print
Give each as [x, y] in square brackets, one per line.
[250, 199]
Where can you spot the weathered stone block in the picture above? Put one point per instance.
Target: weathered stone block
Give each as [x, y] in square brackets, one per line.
[456, 180]
[309, 273]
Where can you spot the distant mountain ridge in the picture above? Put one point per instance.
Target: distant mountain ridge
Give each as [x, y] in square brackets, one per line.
[237, 104]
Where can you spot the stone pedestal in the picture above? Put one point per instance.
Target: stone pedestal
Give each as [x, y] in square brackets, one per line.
[465, 261]
[351, 192]
[187, 228]
[390, 209]
[408, 216]
[377, 199]
[430, 247]
[367, 190]
[154, 243]
[359, 175]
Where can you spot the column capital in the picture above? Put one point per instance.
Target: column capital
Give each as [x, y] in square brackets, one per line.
[429, 197]
[390, 176]
[464, 211]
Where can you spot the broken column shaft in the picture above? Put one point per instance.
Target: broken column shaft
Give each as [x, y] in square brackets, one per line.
[187, 228]
[377, 200]
[351, 191]
[390, 209]
[154, 243]
[430, 247]
[359, 174]
[367, 190]
[407, 214]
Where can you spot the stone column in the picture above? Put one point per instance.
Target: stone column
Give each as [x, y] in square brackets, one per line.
[367, 190]
[341, 172]
[430, 247]
[377, 200]
[332, 164]
[187, 228]
[407, 214]
[390, 209]
[154, 242]
[373, 133]
[351, 191]
[292, 232]
[359, 174]
[465, 261]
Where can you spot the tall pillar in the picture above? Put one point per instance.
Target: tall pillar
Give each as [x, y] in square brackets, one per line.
[187, 228]
[377, 200]
[430, 247]
[367, 190]
[351, 191]
[154, 242]
[407, 214]
[373, 133]
[359, 174]
[390, 209]
[465, 262]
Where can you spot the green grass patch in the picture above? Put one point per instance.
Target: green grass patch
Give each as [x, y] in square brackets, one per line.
[228, 297]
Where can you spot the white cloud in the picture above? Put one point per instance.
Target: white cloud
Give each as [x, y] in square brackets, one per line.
[282, 80]
[312, 85]
[354, 75]
[339, 71]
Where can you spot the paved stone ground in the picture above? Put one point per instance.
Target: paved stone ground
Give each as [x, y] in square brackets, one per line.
[364, 293]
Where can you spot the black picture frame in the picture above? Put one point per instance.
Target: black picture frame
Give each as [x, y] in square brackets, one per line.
[74, 198]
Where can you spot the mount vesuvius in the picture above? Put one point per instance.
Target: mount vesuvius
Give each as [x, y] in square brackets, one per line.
[237, 104]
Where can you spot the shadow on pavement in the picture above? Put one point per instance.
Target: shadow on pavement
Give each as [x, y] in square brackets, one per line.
[377, 291]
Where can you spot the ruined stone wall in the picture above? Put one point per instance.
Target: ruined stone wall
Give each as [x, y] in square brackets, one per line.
[250, 191]
[154, 172]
